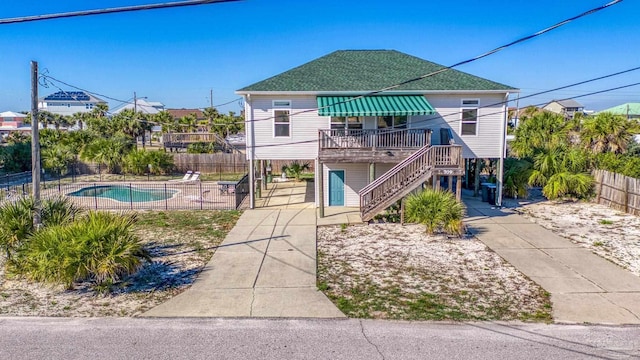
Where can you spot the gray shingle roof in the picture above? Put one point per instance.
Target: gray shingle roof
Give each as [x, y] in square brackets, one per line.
[568, 103]
[370, 70]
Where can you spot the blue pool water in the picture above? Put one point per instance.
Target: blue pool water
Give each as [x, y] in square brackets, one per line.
[124, 193]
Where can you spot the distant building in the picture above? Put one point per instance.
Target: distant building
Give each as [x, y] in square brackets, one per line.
[178, 113]
[11, 121]
[69, 102]
[568, 108]
[143, 106]
[630, 110]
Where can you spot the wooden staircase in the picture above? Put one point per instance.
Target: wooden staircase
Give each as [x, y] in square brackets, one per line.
[396, 183]
[406, 176]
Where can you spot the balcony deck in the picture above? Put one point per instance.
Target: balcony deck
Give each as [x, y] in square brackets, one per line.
[370, 145]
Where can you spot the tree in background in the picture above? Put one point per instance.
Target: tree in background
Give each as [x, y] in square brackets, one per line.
[109, 152]
[188, 123]
[607, 132]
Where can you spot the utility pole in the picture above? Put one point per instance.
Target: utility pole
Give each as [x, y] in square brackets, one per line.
[135, 103]
[35, 145]
[211, 98]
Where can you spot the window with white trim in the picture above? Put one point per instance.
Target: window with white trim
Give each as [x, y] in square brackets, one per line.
[346, 122]
[393, 122]
[469, 120]
[281, 123]
[281, 118]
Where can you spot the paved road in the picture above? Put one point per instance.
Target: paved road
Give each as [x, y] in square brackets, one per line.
[115, 338]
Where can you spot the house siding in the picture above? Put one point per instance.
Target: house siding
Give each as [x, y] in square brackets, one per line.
[486, 144]
[304, 124]
[356, 176]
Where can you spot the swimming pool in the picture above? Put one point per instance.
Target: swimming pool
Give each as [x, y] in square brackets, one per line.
[124, 193]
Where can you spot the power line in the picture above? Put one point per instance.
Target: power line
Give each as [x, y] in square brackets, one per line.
[479, 116]
[447, 68]
[110, 10]
[87, 91]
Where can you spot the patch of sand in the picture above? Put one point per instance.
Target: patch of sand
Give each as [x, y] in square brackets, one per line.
[404, 261]
[612, 234]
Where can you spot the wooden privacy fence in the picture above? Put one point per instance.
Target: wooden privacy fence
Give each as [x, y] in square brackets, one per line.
[222, 162]
[617, 191]
[210, 163]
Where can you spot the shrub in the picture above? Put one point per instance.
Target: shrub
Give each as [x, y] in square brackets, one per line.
[437, 210]
[16, 220]
[295, 169]
[137, 162]
[100, 247]
[516, 177]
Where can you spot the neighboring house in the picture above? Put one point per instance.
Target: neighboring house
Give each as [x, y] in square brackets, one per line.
[630, 110]
[371, 151]
[179, 113]
[568, 108]
[11, 121]
[141, 105]
[69, 102]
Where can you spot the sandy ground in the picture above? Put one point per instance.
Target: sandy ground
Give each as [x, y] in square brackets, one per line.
[609, 233]
[406, 263]
[398, 261]
[178, 257]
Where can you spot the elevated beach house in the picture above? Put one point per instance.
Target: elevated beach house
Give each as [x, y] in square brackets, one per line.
[376, 123]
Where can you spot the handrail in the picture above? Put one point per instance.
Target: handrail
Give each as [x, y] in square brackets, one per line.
[401, 165]
[400, 179]
[373, 138]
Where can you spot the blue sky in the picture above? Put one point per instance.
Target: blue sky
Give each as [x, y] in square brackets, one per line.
[176, 56]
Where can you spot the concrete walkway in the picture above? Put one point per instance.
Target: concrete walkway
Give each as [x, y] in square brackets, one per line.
[266, 267]
[584, 287]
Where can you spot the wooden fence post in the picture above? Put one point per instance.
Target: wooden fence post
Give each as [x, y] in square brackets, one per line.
[599, 179]
[626, 194]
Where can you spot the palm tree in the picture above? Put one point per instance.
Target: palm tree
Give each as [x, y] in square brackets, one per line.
[166, 121]
[100, 110]
[81, 118]
[188, 123]
[538, 132]
[607, 132]
[109, 152]
[562, 171]
[57, 158]
[211, 114]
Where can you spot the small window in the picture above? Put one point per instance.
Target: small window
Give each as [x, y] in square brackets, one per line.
[281, 103]
[281, 123]
[470, 102]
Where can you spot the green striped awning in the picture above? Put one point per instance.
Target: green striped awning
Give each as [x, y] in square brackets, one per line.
[381, 105]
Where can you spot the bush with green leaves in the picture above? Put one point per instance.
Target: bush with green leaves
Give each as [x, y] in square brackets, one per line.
[99, 246]
[625, 164]
[438, 210]
[295, 169]
[16, 221]
[140, 162]
[516, 177]
[201, 148]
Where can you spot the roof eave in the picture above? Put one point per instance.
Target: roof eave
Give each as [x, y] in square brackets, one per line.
[395, 92]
